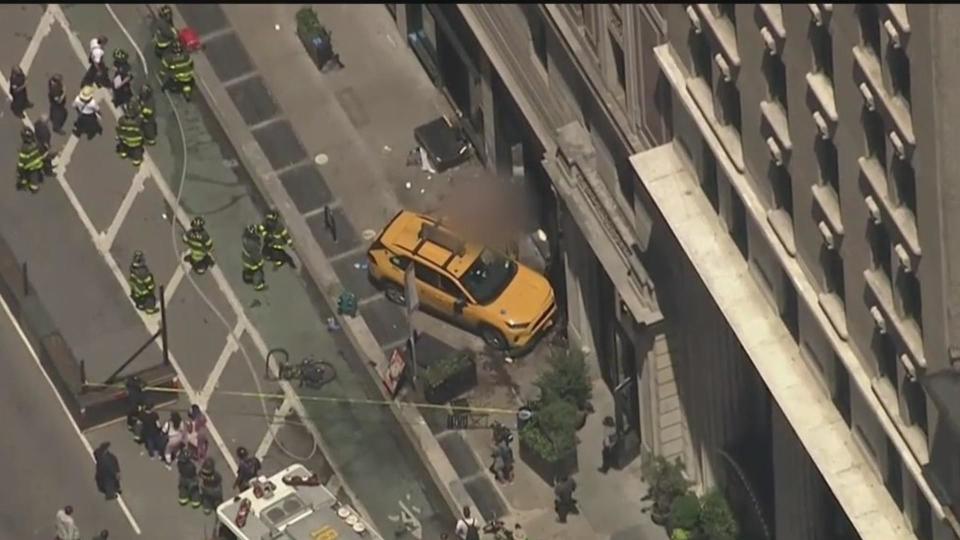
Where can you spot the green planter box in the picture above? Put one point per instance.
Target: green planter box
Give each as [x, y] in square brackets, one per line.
[315, 37]
[549, 468]
[449, 378]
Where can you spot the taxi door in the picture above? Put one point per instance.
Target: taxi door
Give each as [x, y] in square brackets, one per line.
[428, 288]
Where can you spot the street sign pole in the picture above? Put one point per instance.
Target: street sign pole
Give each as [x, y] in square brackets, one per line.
[413, 303]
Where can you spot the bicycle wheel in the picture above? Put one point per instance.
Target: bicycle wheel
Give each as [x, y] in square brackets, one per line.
[280, 357]
[317, 373]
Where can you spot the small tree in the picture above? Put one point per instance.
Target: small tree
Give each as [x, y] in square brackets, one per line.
[666, 483]
[567, 379]
[685, 512]
[716, 518]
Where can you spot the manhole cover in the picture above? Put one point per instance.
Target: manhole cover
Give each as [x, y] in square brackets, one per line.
[321, 159]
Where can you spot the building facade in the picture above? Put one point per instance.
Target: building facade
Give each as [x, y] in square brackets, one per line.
[782, 175]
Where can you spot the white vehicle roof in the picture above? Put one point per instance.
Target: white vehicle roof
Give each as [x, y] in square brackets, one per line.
[294, 513]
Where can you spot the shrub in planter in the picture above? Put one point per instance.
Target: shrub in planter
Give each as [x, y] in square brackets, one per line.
[568, 380]
[666, 483]
[449, 377]
[685, 513]
[548, 442]
[716, 519]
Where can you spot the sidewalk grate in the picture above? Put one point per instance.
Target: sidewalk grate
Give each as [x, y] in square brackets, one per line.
[354, 279]
[228, 57]
[307, 187]
[280, 144]
[204, 18]
[486, 497]
[253, 100]
[386, 321]
[460, 454]
[347, 237]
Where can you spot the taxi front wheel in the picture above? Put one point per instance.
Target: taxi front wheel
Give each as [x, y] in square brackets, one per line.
[493, 338]
[395, 294]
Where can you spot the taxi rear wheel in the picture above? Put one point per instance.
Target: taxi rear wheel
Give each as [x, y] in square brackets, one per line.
[493, 338]
[395, 294]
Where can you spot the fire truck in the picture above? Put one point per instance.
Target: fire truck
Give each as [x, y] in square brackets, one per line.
[291, 505]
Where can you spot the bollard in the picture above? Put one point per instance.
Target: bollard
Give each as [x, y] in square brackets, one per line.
[26, 281]
[330, 223]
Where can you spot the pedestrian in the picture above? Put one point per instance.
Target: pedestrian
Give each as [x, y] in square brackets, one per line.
[30, 162]
[251, 244]
[66, 528]
[130, 134]
[142, 285]
[467, 528]
[41, 128]
[211, 486]
[276, 239]
[187, 486]
[18, 92]
[173, 430]
[88, 114]
[200, 245]
[98, 73]
[201, 439]
[102, 535]
[58, 103]
[148, 114]
[152, 435]
[506, 459]
[122, 80]
[607, 453]
[136, 403]
[248, 468]
[563, 502]
[107, 473]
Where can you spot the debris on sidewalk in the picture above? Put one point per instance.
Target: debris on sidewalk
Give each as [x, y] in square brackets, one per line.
[332, 324]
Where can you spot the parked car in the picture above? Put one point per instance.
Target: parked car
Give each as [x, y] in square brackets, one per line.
[508, 304]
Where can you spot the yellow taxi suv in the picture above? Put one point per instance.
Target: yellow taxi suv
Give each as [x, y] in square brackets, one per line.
[508, 304]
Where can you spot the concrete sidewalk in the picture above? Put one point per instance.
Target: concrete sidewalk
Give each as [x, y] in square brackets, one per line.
[360, 121]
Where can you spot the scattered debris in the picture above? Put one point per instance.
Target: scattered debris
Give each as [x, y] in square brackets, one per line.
[368, 234]
[508, 359]
[413, 157]
[386, 148]
[321, 159]
[408, 185]
[276, 27]
[332, 324]
[360, 265]
[230, 163]
[422, 191]
[541, 236]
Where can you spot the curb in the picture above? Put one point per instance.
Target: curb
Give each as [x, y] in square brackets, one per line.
[321, 272]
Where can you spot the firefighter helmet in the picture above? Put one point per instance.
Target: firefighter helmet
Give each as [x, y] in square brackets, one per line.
[27, 135]
[146, 91]
[197, 223]
[273, 215]
[132, 109]
[138, 258]
[251, 230]
[242, 452]
[166, 13]
[176, 47]
[120, 55]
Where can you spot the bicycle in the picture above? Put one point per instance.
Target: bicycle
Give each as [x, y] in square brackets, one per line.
[309, 372]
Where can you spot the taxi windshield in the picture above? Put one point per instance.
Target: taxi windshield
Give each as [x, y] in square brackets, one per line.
[488, 276]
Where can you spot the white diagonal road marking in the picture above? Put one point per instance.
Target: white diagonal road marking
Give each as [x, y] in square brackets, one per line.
[214, 378]
[43, 30]
[278, 419]
[108, 236]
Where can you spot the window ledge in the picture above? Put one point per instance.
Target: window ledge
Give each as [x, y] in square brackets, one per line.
[774, 15]
[893, 111]
[904, 224]
[829, 205]
[906, 331]
[783, 227]
[832, 306]
[776, 119]
[728, 136]
[822, 89]
[723, 33]
[887, 395]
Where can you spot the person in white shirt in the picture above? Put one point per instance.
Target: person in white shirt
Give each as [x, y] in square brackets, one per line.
[66, 528]
[97, 73]
[467, 528]
[88, 114]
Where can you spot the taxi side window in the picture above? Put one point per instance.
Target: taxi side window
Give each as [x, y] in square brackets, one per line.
[427, 276]
[400, 262]
[449, 287]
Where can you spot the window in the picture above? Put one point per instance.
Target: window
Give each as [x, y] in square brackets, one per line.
[590, 24]
[910, 303]
[708, 177]
[905, 185]
[619, 63]
[538, 36]
[729, 97]
[738, 225]
[880, 249]
[898, 64]
[427, 275]
[874, 135]
[893, 479]
[728, 12]
[887, 358]
[400, 262]
[841, 395]
[654, 91]
[869, 28]
[833, 272]
[701, 63]
[488, 276]
[822, 46]
[776, 75]
[782, 189]
[449, 287]
[826, 153]
[915, 402]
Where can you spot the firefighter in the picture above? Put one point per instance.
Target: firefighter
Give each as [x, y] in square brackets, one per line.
[88, 114]
[142, 285]
[211, 486]
[148, 115]
[130, 135]
[58, 103]
[275, 239]
[200, 245]
[18, 91]
[30, 162]
[122, 78]
[187, 485]
[252, 245]
[164, 33]
[178, 71]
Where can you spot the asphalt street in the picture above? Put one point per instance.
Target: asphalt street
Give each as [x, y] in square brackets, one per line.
[78, 235]
[35, 420]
